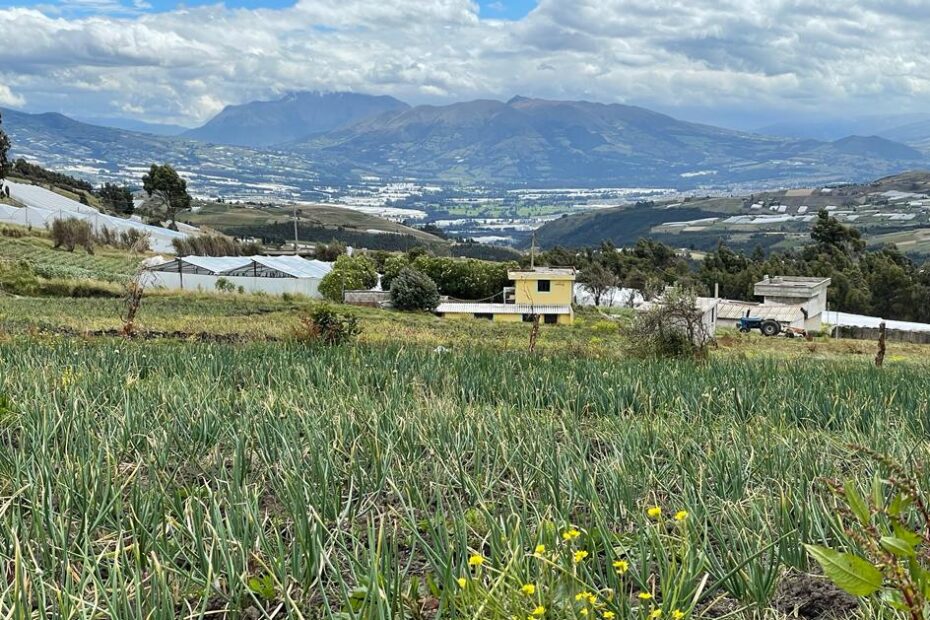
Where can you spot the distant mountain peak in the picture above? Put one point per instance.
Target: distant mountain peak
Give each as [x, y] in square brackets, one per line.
[292, 117]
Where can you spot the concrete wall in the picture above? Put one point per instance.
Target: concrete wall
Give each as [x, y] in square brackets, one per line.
[374, 299]
[871, 333]
[560, 293]
[272, 286]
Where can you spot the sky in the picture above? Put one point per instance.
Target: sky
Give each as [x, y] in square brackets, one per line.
[735, 63]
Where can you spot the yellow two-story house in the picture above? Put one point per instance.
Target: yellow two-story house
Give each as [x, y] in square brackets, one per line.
[544, 291]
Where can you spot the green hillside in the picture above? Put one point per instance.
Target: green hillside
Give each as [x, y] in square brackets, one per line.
[319, 223]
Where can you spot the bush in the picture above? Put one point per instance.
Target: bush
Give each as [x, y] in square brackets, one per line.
[78, 288]
[325, 325]
[224, 286]
[17, 278]
[393, 265]
[414, 290]
[672, 328]
[349, 273]
[329, 252]
[71, 232]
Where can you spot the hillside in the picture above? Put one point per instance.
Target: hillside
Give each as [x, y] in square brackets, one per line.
[291, 118]
[102, 154]
[318, 222]
[549, 142]
[894, 208]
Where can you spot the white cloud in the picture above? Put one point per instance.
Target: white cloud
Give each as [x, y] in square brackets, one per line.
[8, 97]
[858, 56]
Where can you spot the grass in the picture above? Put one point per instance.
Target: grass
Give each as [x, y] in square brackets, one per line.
[106, 264]
[220, 216]
[172, 479]
[256, 318]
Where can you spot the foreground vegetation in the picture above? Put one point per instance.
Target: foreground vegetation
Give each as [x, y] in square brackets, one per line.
[172, 479]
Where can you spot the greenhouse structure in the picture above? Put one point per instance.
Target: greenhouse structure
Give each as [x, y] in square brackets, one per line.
[274, 275]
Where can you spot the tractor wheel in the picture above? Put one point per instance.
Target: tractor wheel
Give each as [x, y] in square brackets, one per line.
[744, 330]
[770, 328]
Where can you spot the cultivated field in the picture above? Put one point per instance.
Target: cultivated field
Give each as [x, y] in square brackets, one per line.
[163, 479]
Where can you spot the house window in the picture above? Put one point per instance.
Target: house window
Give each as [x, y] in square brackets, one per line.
[528, 318]
[484, 315]
[543, 286]
[551, 319]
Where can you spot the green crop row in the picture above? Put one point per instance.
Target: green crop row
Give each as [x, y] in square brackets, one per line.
[164, 480]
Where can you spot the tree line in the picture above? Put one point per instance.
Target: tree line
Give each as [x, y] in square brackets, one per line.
[879, 282]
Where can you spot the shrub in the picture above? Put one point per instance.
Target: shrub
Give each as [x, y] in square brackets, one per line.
[71, 232]
[671, 328]
[213, 245]
[17, 278]
[349, 273]
[78, 288]
[224, 286]
[328, 326]
[393, 265]
[414, 290]
[329, 252]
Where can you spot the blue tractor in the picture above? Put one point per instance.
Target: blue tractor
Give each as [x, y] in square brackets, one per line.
[768, 327]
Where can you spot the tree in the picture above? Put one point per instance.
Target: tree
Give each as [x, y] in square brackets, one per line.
[414, 290]
[164, 184]
[598, 280]
[4, 152]
[116, 197]
[827, 232]
[349, 273]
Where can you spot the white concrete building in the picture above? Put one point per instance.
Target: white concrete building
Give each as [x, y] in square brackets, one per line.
[807, 294]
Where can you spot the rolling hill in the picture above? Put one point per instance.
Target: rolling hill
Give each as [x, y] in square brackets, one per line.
[291, 118]
[880, 209]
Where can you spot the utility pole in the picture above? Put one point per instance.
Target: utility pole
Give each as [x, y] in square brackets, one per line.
[295, 229]
[533, 251]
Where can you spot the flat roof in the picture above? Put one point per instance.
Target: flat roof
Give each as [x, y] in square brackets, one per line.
[554, 272]
[795, 281]
[479, 308]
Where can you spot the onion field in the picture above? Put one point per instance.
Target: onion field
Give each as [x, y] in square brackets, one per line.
[274, 480]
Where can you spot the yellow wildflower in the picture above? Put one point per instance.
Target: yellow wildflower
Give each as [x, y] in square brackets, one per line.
[540, 549]
[570, 534]
[609, 615]
[681, 515]
[528, 589]
[540, 610]
[621, 566]
[655, 614]
[583, 611]
[586, 597]
[654, 513]
[678, 614]
[644, 596]
[461, 581]
[475, 560]
[579, 556]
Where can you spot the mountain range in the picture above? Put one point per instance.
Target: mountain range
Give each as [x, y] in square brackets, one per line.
[295, 116]
[521, 142]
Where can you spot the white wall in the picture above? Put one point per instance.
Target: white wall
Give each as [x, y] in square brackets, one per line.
[272, 286]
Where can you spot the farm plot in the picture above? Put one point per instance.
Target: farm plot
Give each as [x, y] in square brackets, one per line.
[164, 480]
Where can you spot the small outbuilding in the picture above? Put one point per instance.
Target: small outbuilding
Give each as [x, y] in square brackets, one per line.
[808, 294]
